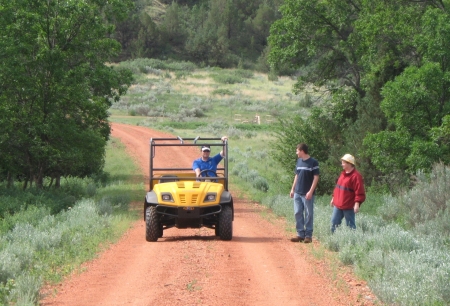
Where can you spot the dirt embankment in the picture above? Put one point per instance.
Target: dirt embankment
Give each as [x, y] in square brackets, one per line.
[260, 266]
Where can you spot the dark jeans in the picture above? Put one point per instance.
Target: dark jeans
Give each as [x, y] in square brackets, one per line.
[339, 214]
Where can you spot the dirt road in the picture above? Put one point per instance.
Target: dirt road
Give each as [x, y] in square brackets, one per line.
[260, 266]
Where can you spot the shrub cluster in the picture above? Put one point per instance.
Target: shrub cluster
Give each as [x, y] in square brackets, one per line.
[139, 110]
[222, 92]
[14, 199]
[233, 77]
[227, 78]
[37, 236]
[151, 65]
[426, 205]
[252, 176]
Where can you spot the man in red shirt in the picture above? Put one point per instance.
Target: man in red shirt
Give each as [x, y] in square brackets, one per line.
[348, 194]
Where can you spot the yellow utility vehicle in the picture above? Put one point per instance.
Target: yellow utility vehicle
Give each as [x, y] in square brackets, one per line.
[177, 198]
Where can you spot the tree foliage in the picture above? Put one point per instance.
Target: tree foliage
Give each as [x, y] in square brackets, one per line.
[318, 34]
[385, 67]
[208, 32]
[55, 89]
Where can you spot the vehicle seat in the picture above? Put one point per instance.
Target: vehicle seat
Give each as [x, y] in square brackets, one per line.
[168, 178]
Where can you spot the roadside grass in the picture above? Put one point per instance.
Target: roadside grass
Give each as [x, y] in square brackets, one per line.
[39, 248]
[401, 267]
[401, 244]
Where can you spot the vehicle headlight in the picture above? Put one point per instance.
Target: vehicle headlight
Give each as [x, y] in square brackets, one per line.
[167, 197]
[210, 197]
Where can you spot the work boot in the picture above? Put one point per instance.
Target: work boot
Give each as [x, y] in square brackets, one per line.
[297, 239]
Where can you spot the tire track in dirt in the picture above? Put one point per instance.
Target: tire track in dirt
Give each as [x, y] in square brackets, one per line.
[193, 267]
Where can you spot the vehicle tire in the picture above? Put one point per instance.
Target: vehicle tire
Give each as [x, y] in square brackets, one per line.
[161, 230]
[152, 227]
[226, 223]
[216, 230]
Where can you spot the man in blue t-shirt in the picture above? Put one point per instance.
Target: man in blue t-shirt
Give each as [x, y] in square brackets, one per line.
[303, 190]
[208, 163]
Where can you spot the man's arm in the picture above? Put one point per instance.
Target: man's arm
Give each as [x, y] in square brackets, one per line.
[197, 172]
[291, 194]
[196, 168]
[313, 187]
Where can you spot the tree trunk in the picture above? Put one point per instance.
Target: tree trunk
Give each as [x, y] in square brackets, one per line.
[51, 183]
[10, 179]
[39, 178]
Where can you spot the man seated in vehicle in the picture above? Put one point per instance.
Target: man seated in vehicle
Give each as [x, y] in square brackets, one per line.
[206, 165]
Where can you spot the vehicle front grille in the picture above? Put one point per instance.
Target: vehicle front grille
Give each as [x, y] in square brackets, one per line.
[188, 198]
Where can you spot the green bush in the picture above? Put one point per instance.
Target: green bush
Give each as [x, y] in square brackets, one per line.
[222, 92]
[261, 183]
[149, 65]
[260, 155]
[5, 289]
[239, 169]
[272, 76]
[139, 110]
[91, 190]
[306, 101]
[26, 291]
[13, 200]
[246, 74]
[225, 78]
[104, 207]
[30, 215]
[181, 74]
[192, 125]
[428, 200]
[39, 239]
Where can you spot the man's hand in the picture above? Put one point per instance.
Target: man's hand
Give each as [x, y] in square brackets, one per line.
[309, 195]
[224, 138]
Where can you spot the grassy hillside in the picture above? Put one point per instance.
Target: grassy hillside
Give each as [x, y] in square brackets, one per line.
[209, 95]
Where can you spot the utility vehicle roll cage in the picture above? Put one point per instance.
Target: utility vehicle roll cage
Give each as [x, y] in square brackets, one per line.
[186, 174]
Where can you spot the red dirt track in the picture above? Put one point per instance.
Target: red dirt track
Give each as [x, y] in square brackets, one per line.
[259, 266]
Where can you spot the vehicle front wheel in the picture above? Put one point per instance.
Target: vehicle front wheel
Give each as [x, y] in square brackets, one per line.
[161, 230]
[216, 230]
[226, 223]
[152, 227]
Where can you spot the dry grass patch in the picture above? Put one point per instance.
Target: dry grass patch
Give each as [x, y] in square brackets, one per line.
[193, 89]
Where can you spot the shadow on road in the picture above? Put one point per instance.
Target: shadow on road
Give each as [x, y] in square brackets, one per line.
[212, 237]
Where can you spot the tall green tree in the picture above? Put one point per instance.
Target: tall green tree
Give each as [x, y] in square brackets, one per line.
[211, 34]
[417, 101]
[319, 39]
[173, 27]
[138, 33]
[394, 56]
[319, 35]
[55, 88]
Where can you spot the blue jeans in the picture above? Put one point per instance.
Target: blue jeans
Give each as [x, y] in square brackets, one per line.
[339, 214]
[304, 215]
